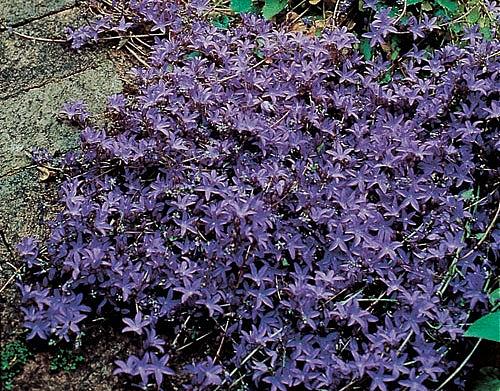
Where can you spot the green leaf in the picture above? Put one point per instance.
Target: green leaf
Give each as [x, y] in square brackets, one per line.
[413, 2]
[194, 54]
[473, 16]
[456, 28]
[467, 195]
[494, 296]
[273, 7]
[241, 5]
[222, 22]
[366, 49]
[395, 11]
[486, 33]
[404, 21]
[488, 379]
[395, 48]
[387, 78]
[479, 236]
[487, 327]
[488, 385]
[426, 6]
[449, 5]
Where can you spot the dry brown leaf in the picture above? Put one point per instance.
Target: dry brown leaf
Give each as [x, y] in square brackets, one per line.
[296, 25]
[44, 173]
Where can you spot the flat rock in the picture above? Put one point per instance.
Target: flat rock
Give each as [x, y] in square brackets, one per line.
[29, 63]
[16, 12]
[30, 119]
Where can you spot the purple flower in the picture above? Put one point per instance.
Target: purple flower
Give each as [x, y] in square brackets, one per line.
[273, 202]
[136, 325]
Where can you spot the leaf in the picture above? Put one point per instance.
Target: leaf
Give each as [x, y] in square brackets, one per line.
[487, 380]
[241, 6]
[484, 22]
[413, 2]
[456, 27]
[487, 327]
[259, 54]
[194, 54]
[474, 16]
[273, 7]
[426, 6]
[488, 385]
[486, 33]
[222, 22]
[494, 296]
[366, 49]
[449, 5]
[387, 78]
[404, 21]
[467, 195]
[395, 11]
[479, 236]
[395, 48]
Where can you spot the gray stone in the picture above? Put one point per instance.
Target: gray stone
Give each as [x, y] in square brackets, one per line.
[23, 205]
[29, 63]
[30, 119]
[15, 12]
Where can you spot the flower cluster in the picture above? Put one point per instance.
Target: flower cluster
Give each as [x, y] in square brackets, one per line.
[311, 218]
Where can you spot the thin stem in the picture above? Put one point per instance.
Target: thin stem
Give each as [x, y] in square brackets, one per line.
[245, 360]
[451, 271]
[449, 378]
[40, 39]
[16, 273]
[486, 233]
[138, 58]
[403, 12]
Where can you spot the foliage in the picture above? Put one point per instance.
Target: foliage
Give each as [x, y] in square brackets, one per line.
[273, 7]
[495, 296]
[241, 5]
[450, 17]
[488, 326]
[488, 379]
[270, 9]
[300, 206]
[66, 360]
[13, 357]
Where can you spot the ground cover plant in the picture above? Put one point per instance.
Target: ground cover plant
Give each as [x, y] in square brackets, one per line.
[274, 210]
[13, 357]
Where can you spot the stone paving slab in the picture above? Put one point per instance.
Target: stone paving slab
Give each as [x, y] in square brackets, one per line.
[36, 79]
[16, 12]
[28, 63]
[30, 119]
[24, 205]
